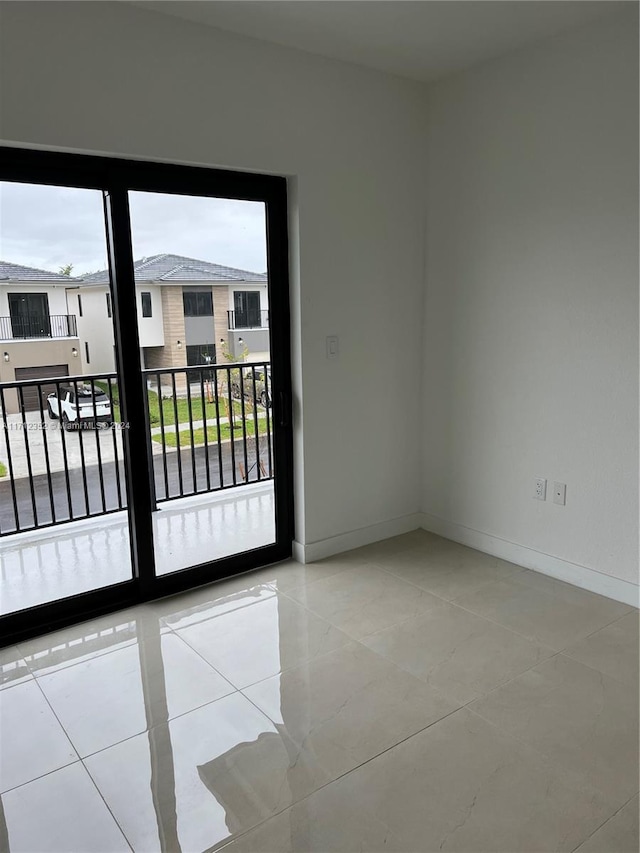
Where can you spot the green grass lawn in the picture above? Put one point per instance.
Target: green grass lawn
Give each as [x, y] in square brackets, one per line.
[182, 406]
[3, 470]
[170, 438]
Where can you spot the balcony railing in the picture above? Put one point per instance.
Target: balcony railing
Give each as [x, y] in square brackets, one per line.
[38, 326]
[250, 319]
[210, 428]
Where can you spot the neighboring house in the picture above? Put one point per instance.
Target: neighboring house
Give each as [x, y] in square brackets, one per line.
[38, 334]
[188, 310]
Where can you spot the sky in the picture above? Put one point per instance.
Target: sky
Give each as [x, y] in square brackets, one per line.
[49, 227]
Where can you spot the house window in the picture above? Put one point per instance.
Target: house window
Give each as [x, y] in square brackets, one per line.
[201, 354]
[197, 303]
[29, 315]
[108, 295]
[80, 305]
[146, 304]
[246, 304]
[86, 352]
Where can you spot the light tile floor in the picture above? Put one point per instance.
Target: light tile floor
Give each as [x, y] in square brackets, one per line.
[413, 695]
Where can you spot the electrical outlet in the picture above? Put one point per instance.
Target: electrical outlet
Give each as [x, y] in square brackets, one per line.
[560, 493]
[540, 493]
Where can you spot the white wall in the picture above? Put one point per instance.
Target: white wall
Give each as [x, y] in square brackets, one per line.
[150, 329]
[94, 328]
[353, 143]
[531, 324]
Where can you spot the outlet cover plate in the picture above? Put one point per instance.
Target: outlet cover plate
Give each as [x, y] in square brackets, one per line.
[560, 493]
[540, 491]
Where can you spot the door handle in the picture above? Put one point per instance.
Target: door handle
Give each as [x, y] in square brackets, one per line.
[283, 420]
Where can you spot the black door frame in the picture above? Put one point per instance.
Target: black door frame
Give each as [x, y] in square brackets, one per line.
[115, 178]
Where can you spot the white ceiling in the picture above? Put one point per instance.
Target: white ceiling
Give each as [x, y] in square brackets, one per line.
[419, 39]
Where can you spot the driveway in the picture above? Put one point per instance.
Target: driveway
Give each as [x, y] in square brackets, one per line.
[41, 437]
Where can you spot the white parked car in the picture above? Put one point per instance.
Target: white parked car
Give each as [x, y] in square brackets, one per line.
[82, 409]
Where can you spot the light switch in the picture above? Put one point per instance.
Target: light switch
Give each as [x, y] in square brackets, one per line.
[332, 346]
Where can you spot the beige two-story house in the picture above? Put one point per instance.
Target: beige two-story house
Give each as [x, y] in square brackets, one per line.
[189, 312]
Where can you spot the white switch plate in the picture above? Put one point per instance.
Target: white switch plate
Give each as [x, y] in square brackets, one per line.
[333, 346]
[560, 493]
[540, 493]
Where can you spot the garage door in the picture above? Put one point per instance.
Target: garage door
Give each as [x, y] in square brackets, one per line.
[47, 371]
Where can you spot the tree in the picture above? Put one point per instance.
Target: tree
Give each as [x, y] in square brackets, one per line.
[66, 269]
[234, 377]
[229, 356]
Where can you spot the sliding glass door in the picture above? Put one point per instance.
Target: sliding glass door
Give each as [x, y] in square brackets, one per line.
[207, 372]
[178, 470]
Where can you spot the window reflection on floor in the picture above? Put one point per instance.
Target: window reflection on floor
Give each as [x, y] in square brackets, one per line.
[46, 566]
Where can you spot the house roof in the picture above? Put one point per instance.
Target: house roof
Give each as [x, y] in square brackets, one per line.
[16, 272]
[169, 268]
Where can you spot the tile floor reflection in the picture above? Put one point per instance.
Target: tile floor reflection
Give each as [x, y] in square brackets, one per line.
[302, 708]
[52, 563]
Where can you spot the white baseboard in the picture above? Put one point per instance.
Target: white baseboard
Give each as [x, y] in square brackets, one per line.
[555, 567]
[298, 551]
[355, 538]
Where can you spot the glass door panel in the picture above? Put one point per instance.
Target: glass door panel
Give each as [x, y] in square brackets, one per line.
[64, 526]
[202, 296]
[145, 441]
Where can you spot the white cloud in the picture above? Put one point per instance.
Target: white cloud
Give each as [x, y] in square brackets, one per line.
[48, 227]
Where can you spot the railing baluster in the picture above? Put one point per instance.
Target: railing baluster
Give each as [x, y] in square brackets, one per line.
[83, 465]
[27, 448]
[114, 433]
[98, 448]
[231, 423]
[45, 444]
[193, 445]
[244, 427]
[205, 429]
[177, 425]
[269, 409]
[255, 422]
[220, 473]
[164, 437]
[65, 459]
[5, 426]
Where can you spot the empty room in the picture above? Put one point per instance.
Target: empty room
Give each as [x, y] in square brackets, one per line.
[319, 451]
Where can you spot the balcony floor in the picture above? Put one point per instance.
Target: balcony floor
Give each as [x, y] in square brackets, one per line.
[45, 565]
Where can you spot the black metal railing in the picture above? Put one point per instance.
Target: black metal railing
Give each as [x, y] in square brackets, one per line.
[210, 428]
[213, 426]
[38, 326]
[248, 319]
